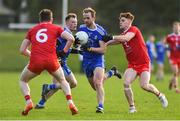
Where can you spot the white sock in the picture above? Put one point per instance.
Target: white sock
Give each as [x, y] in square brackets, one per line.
[28, 101]
[70, 102]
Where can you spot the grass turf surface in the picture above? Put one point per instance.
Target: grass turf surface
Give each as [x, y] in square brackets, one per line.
[116, 107]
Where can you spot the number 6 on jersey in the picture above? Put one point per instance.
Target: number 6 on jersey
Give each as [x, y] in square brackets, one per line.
[41, 36]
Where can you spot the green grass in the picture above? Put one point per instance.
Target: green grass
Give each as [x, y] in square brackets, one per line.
[116, 107]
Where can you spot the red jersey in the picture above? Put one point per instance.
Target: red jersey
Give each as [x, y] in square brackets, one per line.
[135, 49]
[173, 41]
[43, 38]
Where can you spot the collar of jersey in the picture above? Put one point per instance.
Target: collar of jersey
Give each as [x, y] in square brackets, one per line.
[46, 23]
[92, 29]
[68, 30]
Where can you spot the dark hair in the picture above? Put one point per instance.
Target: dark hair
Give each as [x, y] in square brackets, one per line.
[70, 15]
[92, 11]
[45, 15]
[127, 15]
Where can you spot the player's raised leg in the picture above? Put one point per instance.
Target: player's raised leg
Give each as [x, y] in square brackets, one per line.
[26, 75]
[47, 91]
[50, 89]
[129, 77]
[112, 72]
[144, 82]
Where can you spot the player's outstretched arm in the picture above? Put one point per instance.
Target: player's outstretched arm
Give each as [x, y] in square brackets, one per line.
[107, 37]
[117, 39]
[112, 42]
[124, 38]
[101, 49]
[24, 48]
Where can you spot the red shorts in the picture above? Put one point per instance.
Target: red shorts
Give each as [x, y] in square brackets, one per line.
[174, 61]
[39, 65]
[140, 68]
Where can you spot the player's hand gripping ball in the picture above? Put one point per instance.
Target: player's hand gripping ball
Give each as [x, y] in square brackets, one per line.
[82, 37]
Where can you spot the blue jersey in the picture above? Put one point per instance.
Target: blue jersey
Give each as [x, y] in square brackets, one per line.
[60, 46]
[95, 35]
[151, 50]
[91, 60]
[161, 50]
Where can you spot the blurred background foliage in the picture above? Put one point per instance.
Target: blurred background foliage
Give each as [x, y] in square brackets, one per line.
[150, 15]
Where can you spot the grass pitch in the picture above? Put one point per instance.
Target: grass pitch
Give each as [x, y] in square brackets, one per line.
[116, 107]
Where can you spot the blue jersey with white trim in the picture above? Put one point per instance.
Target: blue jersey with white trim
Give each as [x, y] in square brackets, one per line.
[61, 44]
[95, 35]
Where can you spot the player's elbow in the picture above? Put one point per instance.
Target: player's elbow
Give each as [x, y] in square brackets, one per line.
[71, 40]
[22, 51]
[103, 51]
[100, 52]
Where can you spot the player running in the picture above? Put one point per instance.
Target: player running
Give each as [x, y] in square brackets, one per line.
[138, 59]
[49, 90]
[93, 56]
[173, 40]
[42, 39]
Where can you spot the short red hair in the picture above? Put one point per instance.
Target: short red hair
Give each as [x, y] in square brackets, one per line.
[127, 15]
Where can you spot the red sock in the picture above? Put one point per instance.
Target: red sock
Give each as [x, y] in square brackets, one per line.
[27, 97]
[68, 97]
[158, 94]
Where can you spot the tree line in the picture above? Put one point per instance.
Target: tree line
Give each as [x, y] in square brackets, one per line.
[150, 15]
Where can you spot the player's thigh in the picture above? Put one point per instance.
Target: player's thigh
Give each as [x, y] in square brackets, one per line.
[58, 75]
[129, 76]
[91, 82]
[26, 74]
[144, 77]
[71, 78]
[98, 74]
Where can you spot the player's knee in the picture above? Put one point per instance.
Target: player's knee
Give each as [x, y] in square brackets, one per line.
[73, 84]
[127, 87]
[144, 85]
[127, 83]
[98, 83]
[23, 80]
